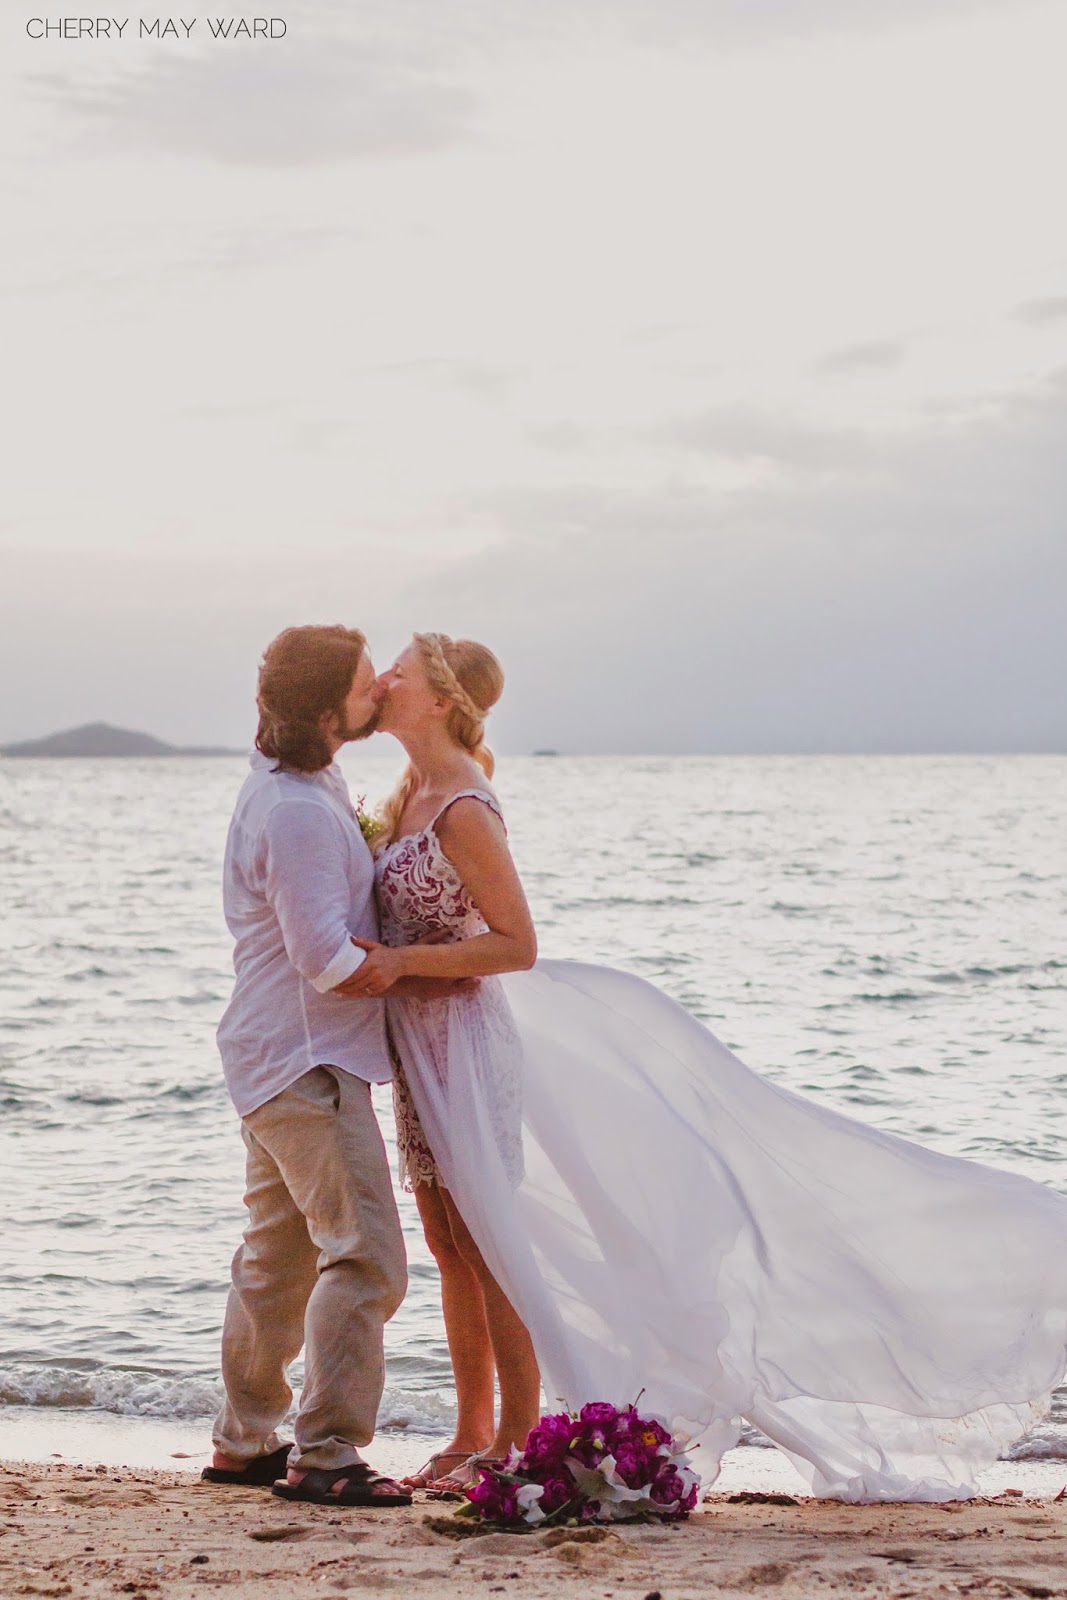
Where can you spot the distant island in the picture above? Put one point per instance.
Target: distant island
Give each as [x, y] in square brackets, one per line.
[101, 739]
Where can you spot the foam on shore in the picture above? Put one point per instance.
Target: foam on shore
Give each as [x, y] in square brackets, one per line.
[90, 1437]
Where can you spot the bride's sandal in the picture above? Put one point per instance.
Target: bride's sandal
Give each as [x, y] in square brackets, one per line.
[452, 1487]
[430, 1475]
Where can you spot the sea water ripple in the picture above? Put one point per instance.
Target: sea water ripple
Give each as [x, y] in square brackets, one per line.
[886, 934]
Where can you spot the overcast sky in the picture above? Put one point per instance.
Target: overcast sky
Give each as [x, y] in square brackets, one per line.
[707, 358]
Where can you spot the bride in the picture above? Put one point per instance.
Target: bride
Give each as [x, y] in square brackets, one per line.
[617, 1204]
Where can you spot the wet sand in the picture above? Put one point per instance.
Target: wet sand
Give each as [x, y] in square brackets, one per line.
[106, 1531]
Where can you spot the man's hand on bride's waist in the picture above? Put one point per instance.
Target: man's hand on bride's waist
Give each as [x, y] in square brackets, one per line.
[385, 971]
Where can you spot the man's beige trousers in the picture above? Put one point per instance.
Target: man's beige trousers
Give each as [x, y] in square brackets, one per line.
[322, 1266]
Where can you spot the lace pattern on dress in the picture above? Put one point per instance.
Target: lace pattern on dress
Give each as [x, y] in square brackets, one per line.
[420, 892]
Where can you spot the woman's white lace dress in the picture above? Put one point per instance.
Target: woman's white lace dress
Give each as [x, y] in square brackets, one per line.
[675, 1224]
[420, 892]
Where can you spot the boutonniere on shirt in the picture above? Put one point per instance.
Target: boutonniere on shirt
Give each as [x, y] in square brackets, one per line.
[370, 827]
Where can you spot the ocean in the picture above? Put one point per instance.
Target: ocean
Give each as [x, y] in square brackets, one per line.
[885, 934]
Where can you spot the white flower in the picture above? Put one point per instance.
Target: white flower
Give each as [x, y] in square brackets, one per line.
[604, 1484]
[526, 1500]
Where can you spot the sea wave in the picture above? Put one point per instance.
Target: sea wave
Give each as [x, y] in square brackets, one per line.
[170, 1397]
[1045, 1444]
[173, 1398]
[1048, 1442]
[125, 1393]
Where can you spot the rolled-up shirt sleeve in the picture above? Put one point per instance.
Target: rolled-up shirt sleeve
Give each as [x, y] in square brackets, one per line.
[306, 883]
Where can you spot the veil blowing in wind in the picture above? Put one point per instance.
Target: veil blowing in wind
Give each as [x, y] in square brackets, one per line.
[664, 1220]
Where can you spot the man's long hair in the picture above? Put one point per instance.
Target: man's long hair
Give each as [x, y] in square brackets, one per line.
[304, 673]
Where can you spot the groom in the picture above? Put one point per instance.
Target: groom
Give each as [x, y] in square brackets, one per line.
[322, 1263]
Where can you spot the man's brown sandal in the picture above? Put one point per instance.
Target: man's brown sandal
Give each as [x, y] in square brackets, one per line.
[320, 1486]
[259, 1473]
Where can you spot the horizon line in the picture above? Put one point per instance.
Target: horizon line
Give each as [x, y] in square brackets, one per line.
[233, 753]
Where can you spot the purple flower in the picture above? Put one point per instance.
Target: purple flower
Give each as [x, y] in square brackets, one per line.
[558, 1490]
[494, 1498]
[598, 1414]
[667, 1488]
[548, 1443]
[625, 1426]
[689, 1501]
[645, 1430]
[591, 1440]
[588, 1452]
[632, 1465]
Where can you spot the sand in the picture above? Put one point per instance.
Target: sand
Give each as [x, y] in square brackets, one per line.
[105, 1531]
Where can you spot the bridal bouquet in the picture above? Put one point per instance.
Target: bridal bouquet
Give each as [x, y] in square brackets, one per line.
[371, 827]
[601, 1464]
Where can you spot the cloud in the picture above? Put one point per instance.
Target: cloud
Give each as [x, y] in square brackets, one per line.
[489, 381]
[918, 607]
[473, 29]
[308, 100]
[1052, 309]
[743, 19]
[747, 434]
[912, 601]
[406, 79]
[878, 355]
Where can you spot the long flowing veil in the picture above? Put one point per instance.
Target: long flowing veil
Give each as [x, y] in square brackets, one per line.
[889, 1316]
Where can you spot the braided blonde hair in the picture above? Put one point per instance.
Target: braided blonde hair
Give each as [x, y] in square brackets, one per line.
[470, 677]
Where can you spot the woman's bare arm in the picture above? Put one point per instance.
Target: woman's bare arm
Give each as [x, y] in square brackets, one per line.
[473, 838]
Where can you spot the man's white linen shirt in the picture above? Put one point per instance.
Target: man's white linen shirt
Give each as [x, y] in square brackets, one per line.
[298, 881]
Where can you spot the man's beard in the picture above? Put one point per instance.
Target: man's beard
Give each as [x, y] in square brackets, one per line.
[364, 731]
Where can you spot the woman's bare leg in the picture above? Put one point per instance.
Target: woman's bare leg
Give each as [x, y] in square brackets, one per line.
[516, 1364]
[468, 1334]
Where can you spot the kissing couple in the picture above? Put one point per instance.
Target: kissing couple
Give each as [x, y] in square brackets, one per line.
[616, 1203]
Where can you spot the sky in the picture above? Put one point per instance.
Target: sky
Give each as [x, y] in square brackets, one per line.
[705, 358]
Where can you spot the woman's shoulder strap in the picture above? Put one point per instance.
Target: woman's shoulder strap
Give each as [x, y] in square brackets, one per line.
[485, 795]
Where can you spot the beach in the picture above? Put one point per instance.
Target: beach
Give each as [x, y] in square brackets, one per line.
[79, 1520]
[101, 1531]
